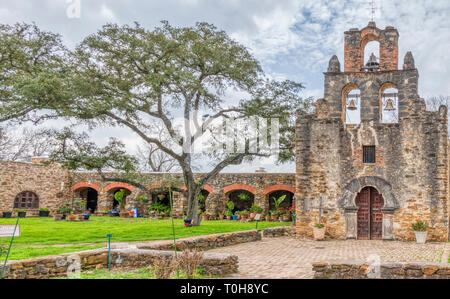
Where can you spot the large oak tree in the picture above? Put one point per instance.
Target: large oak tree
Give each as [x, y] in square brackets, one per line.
[132, 77]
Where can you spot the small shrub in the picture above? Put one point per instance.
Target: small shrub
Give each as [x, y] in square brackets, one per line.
[163, 267]
[256, 209]
[420, 226]
[189, 261]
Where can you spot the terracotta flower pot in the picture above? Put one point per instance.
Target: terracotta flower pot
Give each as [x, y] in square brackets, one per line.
[205, 217]
[124, 214]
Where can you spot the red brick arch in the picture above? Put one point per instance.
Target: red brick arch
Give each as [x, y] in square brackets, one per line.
[274, 188]
[236, 187]
[119, 185]
[81, 185]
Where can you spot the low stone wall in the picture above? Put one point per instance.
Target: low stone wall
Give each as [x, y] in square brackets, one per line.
[356, 270]
[280, 231]
[62, 265]
[207, 242]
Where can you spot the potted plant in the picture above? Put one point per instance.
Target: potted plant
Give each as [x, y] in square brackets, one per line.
[229, 214]
[71, 217]
[205, 216]
[44, 212]
[211, 215]
[188, 222]
[230, 206]
[80, 217]
[420, 230]
[120, 197]
[254, 209]
[244, 215]
[286, 217]
[267, 217]
[21, 213]
[278, 201]
[274, 215]
[7, 214]
[319, 231]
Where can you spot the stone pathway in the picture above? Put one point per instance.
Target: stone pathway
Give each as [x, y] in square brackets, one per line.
[292, 258]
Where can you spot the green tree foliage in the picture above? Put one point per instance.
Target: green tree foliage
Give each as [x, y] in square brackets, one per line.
[131, 77]
[33, 73]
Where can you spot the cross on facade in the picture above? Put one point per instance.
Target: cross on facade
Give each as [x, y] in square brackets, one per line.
[373, 9]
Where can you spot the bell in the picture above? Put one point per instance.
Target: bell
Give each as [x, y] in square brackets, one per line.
[389, 105]
[352, 105]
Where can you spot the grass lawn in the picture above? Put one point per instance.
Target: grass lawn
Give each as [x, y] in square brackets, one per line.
[38, 234]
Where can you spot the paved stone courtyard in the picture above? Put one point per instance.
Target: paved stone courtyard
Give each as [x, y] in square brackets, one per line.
[292, 258]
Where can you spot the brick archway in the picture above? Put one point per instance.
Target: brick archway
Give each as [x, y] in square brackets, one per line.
[119, 185]
[281, 187]
[236, 187]
[81, 185]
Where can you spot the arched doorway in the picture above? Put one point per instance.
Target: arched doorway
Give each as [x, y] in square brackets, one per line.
[369, 216]
[115, 203]
[90, 196]
[242, 200]
[91, 200]
[287, 202]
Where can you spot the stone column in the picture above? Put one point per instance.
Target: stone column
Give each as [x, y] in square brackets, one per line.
[179, 202]
[351, 223]
[260, 200]
[103, 202]
[216, 202]
[388, 224]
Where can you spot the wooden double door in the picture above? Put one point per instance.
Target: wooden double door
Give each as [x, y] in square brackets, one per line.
[370, 215]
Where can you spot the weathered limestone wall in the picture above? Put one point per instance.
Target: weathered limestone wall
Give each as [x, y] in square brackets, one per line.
[208, 242]
[411, 170]
[52, 184]
[61, 265]
[259, 184]
[356, 270]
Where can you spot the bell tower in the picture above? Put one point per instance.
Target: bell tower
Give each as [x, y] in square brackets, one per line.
[356, 40]
[371, 91]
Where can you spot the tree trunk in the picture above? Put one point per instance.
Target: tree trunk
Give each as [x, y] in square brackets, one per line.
[192, 212]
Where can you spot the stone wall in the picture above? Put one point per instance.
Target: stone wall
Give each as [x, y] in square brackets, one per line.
[261, 185]
[208, 241]
[356, 270]
[356, 40]
[61, 265]
[281, 231]
[51, 183]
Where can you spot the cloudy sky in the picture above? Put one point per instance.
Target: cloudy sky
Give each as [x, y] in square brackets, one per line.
[293, 39]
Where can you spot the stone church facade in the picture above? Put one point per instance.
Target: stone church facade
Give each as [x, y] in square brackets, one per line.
[372, 180]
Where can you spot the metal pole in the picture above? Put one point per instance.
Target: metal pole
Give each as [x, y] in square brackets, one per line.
[109, 251]
[9, 249]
